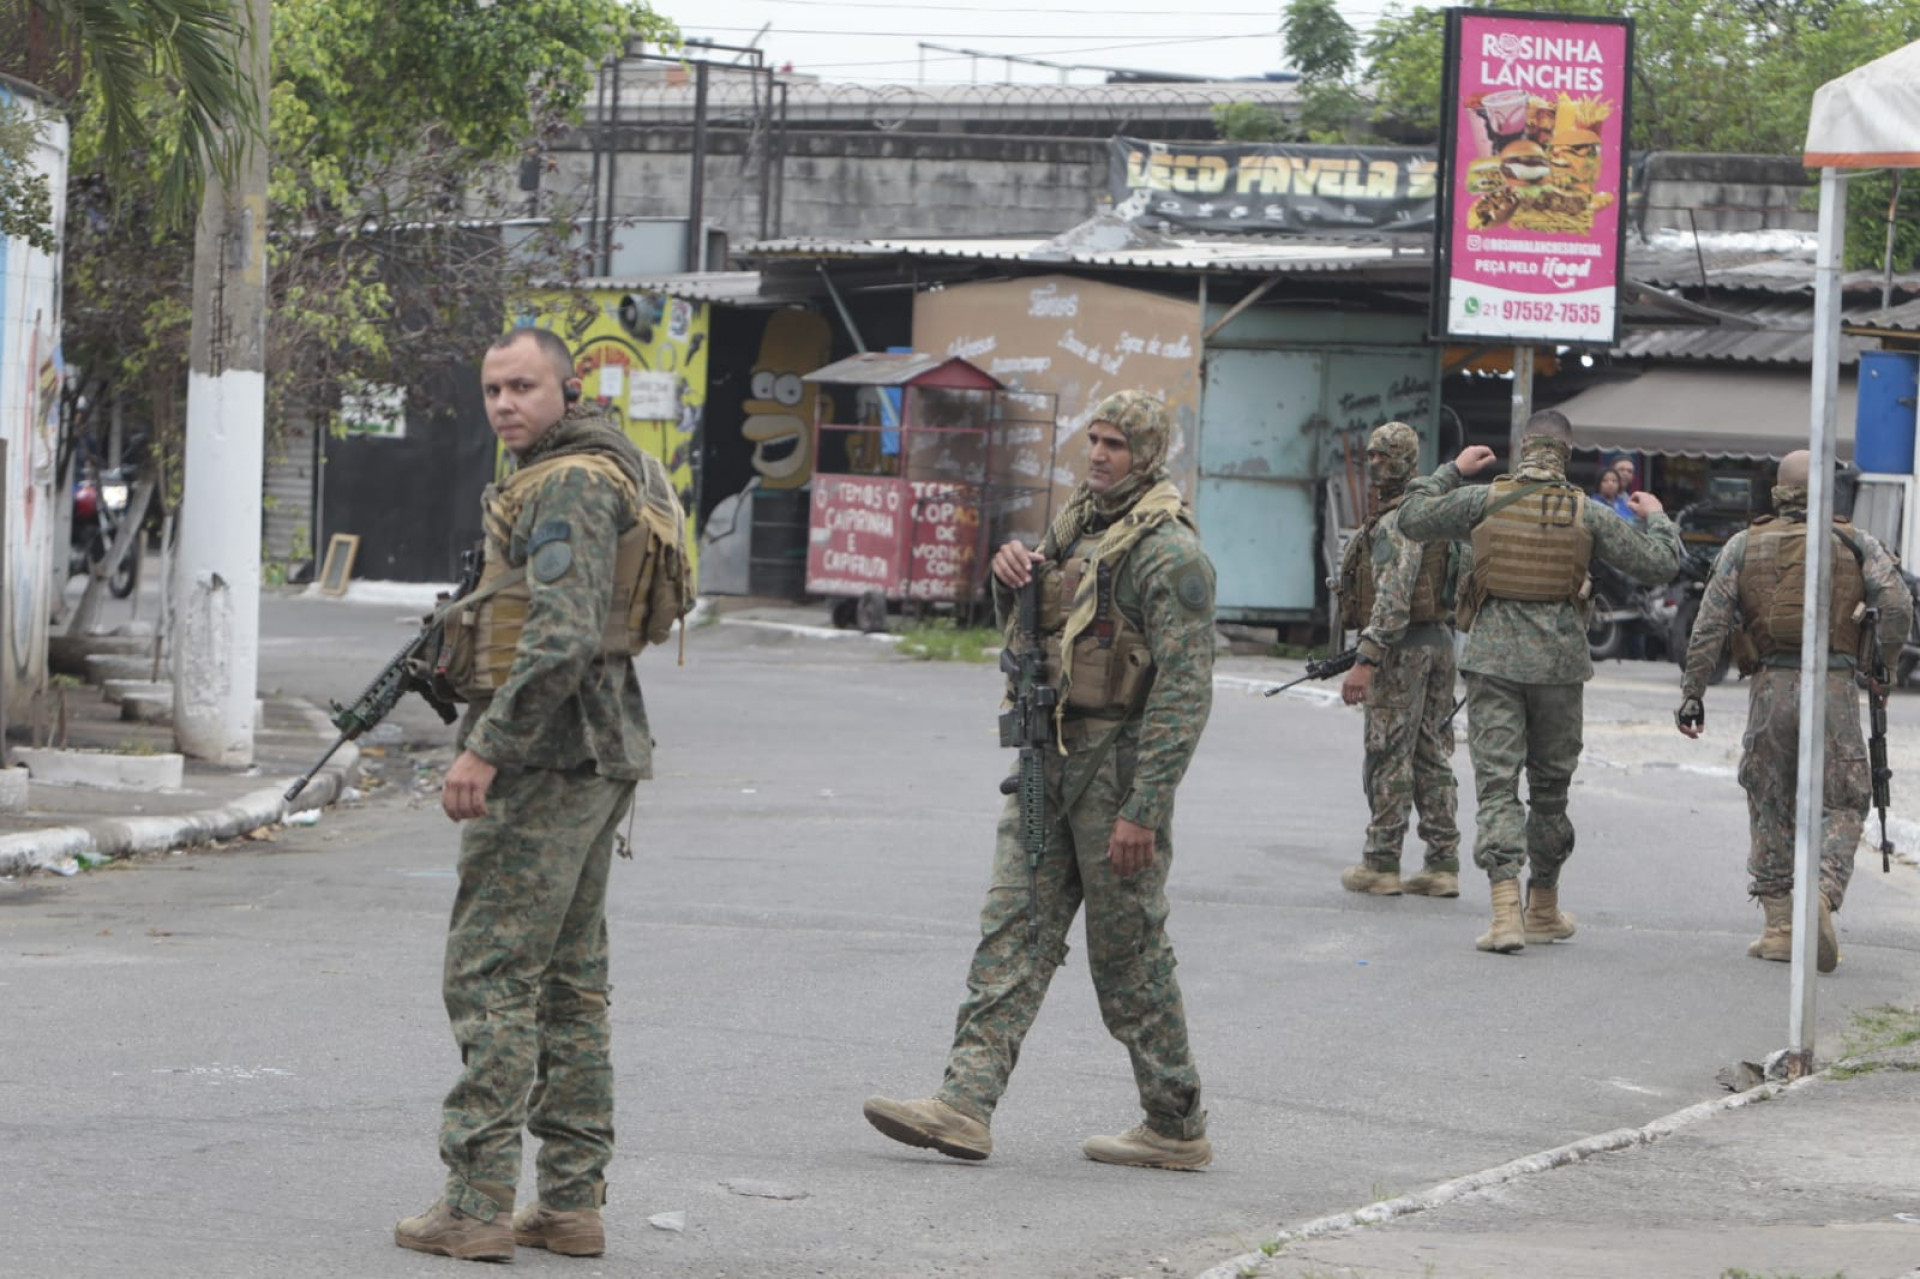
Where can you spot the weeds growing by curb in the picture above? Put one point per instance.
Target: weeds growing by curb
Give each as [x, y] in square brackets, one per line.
[941, 641]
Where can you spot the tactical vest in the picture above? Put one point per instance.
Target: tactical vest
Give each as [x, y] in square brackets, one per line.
[1531, 545]
[1112, 665]
[1357, 586]
[1773, 587]
[651, 589]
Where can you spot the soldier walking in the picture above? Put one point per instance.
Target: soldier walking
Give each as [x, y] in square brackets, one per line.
[1756, 598]
[1126, 612]
[1526, 662]
[554, 737]
[1397, 593]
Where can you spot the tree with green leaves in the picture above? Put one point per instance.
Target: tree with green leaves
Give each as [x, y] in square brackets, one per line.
[1323, 46]
[126, 53]
[395, 130]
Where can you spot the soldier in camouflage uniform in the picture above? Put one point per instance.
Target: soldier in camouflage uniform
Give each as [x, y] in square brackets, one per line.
[1755, 598]
[1526, 662]
[1126, 605]
[1400, 591]
[545, 774]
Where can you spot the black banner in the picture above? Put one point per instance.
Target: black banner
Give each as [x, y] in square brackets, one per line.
[1268, 187]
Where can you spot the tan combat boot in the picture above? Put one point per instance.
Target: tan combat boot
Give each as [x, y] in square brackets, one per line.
[1827, 956]
[932, 1124]
[446, 1231]
[1507, 934]
[1544, 921]
[1433, 883]
[1142, 1147]
[574, 1232]
[1365, 879]
[1776, 939]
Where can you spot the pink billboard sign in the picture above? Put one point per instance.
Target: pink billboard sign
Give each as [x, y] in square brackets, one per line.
[1534, 149]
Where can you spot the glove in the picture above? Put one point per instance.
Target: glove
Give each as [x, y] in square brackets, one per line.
[1691, 714]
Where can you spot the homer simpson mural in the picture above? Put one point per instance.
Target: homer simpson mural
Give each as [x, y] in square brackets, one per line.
[643, 357]
[777, 421]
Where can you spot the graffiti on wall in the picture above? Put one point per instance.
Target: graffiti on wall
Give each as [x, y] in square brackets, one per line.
[31, 374]
[643, 358]
[1080, 340]
[778, 414]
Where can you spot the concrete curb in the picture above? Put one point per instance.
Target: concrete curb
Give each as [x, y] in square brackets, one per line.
[1254, 1263]
[51, 849]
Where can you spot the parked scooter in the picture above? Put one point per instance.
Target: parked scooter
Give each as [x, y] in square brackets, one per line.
[1619, 607]
[99, 509]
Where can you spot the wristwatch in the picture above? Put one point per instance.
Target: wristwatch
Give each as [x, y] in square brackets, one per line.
[1361, 659]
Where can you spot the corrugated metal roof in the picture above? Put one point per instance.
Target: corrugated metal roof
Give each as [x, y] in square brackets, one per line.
[729, 288]
[1783, 269]
[1183, 254]
[892, 368]
[1904, 318]
[1781, 333]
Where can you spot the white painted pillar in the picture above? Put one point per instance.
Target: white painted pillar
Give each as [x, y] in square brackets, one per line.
[1809, 788]
[216, 587]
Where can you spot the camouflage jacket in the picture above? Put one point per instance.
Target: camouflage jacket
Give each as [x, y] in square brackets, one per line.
[1720, 608]
[1396, 572]
[1535, 643]
[1161, 738]
[563, 705]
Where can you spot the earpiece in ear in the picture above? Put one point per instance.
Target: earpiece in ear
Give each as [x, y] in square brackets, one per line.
[570, 393]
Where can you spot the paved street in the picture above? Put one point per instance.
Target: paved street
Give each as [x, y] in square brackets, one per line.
[229, 1063]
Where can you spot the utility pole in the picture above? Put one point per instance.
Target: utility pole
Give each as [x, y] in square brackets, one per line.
[216, 590]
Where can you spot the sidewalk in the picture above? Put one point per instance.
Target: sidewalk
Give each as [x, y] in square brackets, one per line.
[1809, 1180]
[68, 827]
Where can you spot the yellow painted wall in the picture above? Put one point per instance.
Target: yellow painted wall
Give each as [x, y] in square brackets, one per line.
[621, 343]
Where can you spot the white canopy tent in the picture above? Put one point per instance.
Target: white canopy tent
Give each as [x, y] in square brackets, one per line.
[1866, 119]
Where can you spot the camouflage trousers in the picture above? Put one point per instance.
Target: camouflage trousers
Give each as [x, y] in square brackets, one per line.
[526, 988]
[1769, 773]
[1409, 746]
[1511, 726]
[1127, 948]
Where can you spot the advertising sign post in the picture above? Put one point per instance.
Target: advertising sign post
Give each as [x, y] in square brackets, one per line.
[1535, 127]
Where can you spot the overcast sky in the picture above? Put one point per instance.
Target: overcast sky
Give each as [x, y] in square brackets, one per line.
[878, 40]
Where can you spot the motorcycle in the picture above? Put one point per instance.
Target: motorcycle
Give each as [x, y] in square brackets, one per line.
[1619, 608]
[1686, 592]
[99, 509]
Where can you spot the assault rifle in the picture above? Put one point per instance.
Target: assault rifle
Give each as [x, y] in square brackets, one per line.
[1877, 718]
[1028, 725]
[409, 670]
[1322, 668]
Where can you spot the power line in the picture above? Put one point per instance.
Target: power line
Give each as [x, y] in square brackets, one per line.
[1105, 11]
[932, 35]
[1099, 48]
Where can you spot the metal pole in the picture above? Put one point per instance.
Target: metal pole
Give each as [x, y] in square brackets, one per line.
[697, 183]
[613, 152]
[1522, 401]
[217, 628]
[599, 135]
[1809, 790]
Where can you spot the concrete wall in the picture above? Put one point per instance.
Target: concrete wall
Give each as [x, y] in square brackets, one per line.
[857, 184]
[1727, 193]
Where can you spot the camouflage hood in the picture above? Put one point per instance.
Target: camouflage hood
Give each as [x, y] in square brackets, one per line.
[1144, 420]
[1544, 457]
[585, 430]
[1397, 447]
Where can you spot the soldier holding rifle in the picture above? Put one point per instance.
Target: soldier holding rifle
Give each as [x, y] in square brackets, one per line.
[1756, 599]
[1124, 623]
